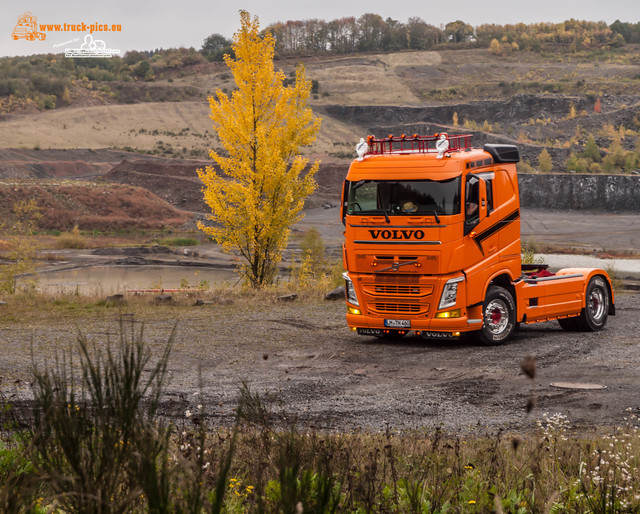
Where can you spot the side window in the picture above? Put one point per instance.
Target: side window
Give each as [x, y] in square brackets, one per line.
[489, 179]
[489, 183]
[472, 199]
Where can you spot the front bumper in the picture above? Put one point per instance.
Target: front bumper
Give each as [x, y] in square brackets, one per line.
[461, 324]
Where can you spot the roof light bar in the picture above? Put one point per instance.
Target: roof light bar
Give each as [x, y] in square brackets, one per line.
[415, 143]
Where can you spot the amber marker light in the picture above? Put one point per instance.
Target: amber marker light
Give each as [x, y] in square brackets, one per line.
[353, 310]
[449, 314]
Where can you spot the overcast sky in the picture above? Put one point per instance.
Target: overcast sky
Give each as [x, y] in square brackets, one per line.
[175, 23]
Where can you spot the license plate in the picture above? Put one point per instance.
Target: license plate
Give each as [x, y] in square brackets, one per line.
[397, 323]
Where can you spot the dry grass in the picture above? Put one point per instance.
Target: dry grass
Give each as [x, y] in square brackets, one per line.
[73, 239]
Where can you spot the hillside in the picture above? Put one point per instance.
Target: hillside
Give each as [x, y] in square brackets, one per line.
[155, 133]
[64, 204]
[169, 116]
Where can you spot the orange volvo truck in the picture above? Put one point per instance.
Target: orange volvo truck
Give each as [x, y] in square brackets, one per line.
[432, 245]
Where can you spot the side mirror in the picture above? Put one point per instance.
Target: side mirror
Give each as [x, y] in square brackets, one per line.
[345, 201]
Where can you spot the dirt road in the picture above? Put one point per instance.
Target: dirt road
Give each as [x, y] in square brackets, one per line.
[324, 374]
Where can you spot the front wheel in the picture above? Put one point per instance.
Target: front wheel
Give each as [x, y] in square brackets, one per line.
[499, 319]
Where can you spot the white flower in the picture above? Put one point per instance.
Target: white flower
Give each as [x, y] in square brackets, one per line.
[187, 413]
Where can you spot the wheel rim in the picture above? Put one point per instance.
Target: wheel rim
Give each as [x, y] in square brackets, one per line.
[596, 304]
[496, 316]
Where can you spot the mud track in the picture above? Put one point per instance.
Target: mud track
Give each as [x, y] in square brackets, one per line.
[329, 378]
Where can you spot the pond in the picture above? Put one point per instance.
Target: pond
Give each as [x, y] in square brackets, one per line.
[107, 280]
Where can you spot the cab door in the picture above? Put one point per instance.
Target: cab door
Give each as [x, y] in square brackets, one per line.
[479, 223]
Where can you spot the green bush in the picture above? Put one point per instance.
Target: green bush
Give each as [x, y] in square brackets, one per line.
[180, 241]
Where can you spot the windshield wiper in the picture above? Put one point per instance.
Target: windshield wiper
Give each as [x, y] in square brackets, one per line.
[383, 211]
[374, 211]
[435, 214]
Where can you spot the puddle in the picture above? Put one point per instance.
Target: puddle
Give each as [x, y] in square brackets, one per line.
[106, 280]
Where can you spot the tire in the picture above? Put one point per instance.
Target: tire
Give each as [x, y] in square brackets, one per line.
[596, 309]
[499, 318]
[570, 324]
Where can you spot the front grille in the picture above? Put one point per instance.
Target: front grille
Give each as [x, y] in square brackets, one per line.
[388, 278]
[383, 289]
[402, 308]
[397, 285]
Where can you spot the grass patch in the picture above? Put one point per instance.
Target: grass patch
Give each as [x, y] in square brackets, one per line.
[179, 241]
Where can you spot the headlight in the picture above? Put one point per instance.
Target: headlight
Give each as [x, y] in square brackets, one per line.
[450, 293]
[350, 290]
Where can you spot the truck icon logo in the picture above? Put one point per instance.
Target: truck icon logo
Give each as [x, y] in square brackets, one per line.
[396, 234]
[26, 28]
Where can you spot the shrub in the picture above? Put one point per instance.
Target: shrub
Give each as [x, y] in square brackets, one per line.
[180, 241]
[100, 445]
[544, 161]
[73, 239]
[313, 261]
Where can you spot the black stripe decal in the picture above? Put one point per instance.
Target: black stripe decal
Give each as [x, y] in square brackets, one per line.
[495, 228]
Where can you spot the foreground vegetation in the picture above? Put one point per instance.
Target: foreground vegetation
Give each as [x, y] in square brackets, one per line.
[96, 440]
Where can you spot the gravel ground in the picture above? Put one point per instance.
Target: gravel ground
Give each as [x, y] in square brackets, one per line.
[327, 376]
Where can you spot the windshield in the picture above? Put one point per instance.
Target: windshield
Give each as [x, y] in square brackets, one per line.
[408, 197]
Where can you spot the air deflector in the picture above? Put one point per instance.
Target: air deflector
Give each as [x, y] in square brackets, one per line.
[503, 153]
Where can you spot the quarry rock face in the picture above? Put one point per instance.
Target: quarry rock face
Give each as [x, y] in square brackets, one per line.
[610, 193]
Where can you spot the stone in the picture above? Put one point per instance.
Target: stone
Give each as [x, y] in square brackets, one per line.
[115, 299]
[337, 294]
[133, 261]
[164, 298]
[287, 298]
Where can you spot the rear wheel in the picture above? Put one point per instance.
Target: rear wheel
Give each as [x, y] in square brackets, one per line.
[596, 309]
[499, 320]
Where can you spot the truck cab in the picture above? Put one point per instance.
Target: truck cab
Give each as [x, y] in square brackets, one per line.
[432, 245]
[26, 28]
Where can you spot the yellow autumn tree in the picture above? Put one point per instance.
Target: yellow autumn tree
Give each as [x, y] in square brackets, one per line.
[544, 161]
[261, 189]
[16, 245]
